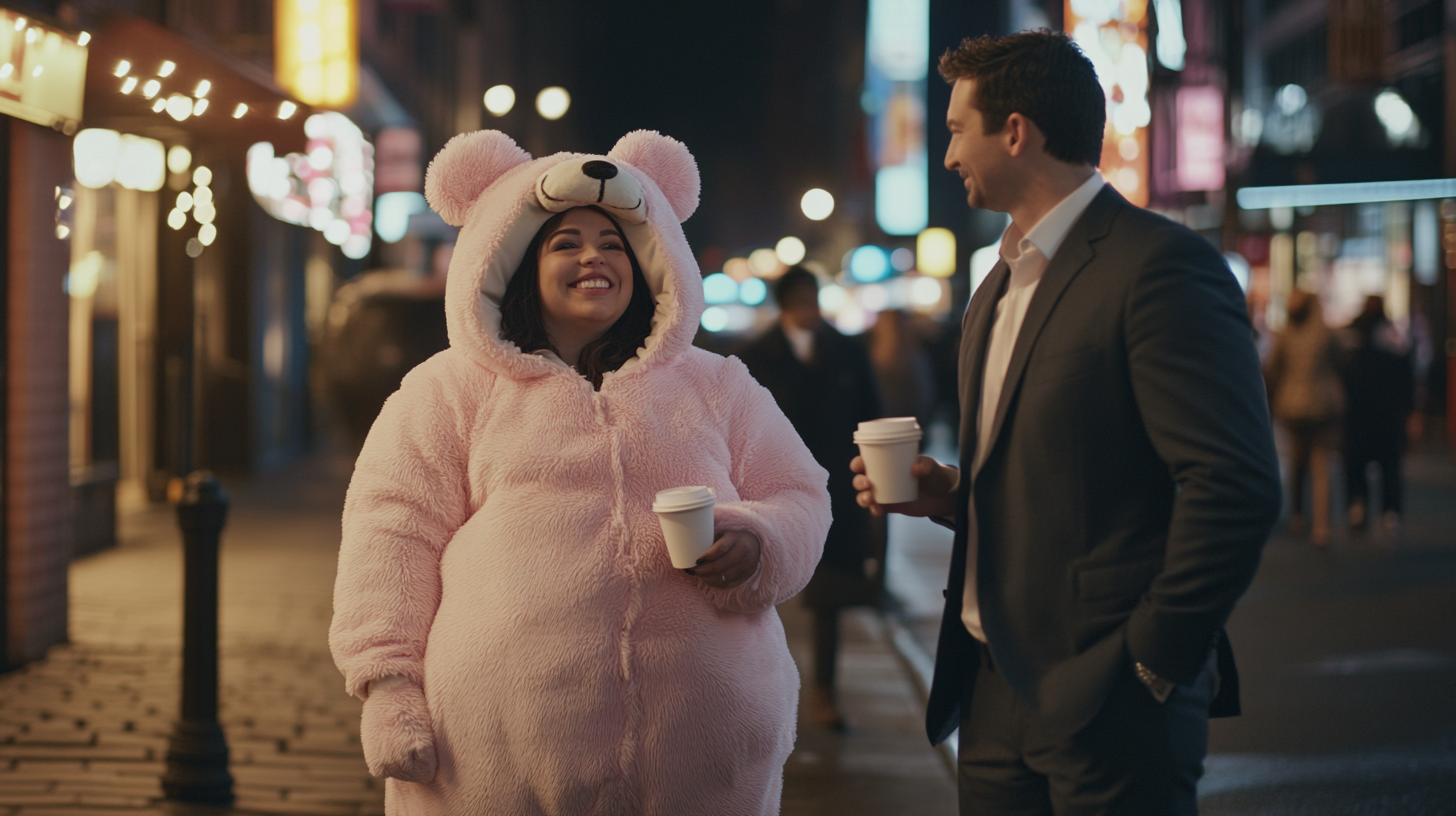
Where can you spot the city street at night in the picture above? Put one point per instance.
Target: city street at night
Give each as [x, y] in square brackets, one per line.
[575, 408]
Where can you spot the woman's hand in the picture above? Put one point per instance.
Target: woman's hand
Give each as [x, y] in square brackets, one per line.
[731, 560]
[399, 741]
[937, 490]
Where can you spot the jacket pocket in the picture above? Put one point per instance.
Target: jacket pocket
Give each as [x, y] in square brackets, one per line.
[1100, 581]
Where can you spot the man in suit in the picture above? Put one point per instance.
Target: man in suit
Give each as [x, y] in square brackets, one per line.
[824, 384]
[1117, 475]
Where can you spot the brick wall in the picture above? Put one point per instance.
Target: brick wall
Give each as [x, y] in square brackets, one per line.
[37, 488]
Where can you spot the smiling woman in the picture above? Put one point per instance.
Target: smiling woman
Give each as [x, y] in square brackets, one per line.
[580, 294]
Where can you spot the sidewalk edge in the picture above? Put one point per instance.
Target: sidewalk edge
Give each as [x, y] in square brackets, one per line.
[921, 669]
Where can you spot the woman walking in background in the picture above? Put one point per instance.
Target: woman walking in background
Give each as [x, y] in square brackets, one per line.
[1380, 394]
[1307, 398]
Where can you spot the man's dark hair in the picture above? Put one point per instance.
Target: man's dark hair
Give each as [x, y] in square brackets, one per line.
[796, 278]
[523, 323]
[1041, 75]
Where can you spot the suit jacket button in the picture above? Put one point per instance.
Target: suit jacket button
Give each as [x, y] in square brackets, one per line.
[945, 593]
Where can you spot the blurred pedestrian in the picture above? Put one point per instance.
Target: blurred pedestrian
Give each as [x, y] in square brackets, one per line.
[902, 367]
[505, 603]
[1308, 399]
[1117, 475]
[1380, 395]
[823, 382]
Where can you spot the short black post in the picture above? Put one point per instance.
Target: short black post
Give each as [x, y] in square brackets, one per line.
[197, 753]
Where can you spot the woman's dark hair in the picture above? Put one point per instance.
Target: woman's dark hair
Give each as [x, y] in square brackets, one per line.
[1041, 75]
[523, 323]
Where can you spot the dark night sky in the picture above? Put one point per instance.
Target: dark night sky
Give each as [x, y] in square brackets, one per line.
[751, 87]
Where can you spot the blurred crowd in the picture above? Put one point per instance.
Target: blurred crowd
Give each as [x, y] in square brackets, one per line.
[1343, 396]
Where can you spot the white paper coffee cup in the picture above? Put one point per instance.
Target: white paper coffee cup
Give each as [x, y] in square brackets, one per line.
[889, 447]
[686, 516]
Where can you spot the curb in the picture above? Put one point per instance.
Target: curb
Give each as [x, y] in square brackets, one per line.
[921, 668]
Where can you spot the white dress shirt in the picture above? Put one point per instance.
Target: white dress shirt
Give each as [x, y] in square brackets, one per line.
[801, 341]
[1027, 256]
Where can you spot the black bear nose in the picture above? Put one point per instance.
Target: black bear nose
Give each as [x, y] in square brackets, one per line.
[599, 170]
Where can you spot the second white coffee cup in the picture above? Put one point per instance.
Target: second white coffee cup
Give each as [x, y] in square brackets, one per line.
[889, 447]
[686, 516]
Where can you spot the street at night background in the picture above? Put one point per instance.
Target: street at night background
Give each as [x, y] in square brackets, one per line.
[218, 257]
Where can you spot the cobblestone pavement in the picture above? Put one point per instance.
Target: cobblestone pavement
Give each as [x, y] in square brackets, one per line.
[84, 731]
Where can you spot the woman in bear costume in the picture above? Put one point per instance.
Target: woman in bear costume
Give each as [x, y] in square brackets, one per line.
[505, 604]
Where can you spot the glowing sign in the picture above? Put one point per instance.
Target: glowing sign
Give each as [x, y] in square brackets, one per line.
[43, 75]
[316, 50]
[327, 188]
[935, 251]
[1200, 138]
[1114, 36]
[897, 58]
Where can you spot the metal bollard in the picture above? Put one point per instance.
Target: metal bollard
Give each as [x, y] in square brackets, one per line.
[197, 752]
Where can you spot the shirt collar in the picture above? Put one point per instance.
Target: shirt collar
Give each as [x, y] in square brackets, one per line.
[1052, 229]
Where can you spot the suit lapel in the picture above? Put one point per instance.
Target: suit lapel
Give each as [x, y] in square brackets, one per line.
[980, 314]
[1075, 253]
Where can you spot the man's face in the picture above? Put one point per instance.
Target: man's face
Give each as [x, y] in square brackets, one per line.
[980, 159]
[800, 308]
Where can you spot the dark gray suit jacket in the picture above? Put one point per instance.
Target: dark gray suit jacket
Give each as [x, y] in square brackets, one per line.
[1132, 479]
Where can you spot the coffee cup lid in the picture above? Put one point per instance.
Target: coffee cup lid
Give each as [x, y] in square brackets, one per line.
[892, 429]
[677, 499]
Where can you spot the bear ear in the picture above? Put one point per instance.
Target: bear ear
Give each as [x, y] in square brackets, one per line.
[464, 167]
[668, 163]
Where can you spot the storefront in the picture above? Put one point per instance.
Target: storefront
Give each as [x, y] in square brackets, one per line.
[187, 347]
[41, 92]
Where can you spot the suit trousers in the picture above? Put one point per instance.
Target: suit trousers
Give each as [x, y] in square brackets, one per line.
[1137, 757]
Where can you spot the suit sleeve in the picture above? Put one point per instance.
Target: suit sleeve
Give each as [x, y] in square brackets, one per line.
[783, 495]
[1196, 379]
[408, 496]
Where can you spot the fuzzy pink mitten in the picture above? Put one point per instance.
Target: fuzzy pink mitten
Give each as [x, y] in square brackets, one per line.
[398, 740]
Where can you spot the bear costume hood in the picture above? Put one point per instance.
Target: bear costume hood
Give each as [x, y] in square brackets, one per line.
[484, 183]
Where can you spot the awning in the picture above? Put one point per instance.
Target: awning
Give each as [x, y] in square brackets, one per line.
[128, 52]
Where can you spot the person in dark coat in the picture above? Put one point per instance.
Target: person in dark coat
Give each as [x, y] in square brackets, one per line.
[823, 382]
[1379, 397]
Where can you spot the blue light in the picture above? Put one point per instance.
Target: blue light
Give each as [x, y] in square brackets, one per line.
[868, 264]
[392, 212]
[715, 318]
[1326, 195]
[902, 198]
[719, 288]
[752, 291]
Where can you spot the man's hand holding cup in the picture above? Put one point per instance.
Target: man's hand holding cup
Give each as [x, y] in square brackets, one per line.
[937, 489]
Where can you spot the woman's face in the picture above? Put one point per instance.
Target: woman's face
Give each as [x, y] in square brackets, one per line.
[585, 276]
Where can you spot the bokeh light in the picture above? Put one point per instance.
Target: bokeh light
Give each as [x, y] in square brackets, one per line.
[500, 99]
[817, 204]
[790, 250]
[868, 264]
[553, 102]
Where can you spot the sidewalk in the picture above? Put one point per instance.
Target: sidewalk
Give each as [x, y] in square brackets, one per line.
[84, 731]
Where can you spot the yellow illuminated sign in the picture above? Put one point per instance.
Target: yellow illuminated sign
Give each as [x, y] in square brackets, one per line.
[1114, 36]
[935, 250]
[316, 47]
[42, 72]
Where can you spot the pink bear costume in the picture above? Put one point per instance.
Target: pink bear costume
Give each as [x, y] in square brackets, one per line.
[501, 553]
